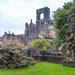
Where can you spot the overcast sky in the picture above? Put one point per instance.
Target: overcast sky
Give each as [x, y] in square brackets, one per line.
[15, 13]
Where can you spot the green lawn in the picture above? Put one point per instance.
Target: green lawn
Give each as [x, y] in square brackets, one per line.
[43, 68]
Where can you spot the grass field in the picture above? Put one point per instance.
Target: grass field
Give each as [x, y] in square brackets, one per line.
[43, 68]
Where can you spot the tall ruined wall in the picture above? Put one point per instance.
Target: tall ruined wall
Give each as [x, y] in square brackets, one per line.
[70, 41]
[70, 35]
[31, 30]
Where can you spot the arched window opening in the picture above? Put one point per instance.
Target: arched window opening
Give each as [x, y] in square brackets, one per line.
[42, 16]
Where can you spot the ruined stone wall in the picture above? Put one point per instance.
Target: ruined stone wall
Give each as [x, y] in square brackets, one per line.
[43, 30]
[31, 30]
[13, 41]
[70, 35]
[51, 58]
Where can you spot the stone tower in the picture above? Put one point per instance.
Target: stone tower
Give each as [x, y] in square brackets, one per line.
[43, 24]
[46, 16]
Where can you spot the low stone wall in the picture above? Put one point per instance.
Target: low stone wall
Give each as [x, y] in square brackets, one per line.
[55, 57]
[14, 58]
[31, 52]
[50, 58]
[69, 62]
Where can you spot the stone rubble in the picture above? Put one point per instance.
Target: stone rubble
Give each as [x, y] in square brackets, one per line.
[13, 58]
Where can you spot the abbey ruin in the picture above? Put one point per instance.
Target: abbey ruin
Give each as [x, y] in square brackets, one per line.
[42, 29]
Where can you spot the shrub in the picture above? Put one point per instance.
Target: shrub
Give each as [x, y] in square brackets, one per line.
[40, 44]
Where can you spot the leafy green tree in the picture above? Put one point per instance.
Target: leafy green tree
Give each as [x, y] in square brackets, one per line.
[40, 44]
[60, 23]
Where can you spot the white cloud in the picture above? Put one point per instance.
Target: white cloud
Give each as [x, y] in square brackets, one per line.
[14, 13]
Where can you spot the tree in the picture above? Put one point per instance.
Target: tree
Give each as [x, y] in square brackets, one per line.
[60, 23]
[40, 44]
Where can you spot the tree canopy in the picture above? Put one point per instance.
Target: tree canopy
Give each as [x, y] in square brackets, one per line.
[60, 23]
[40, 44]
